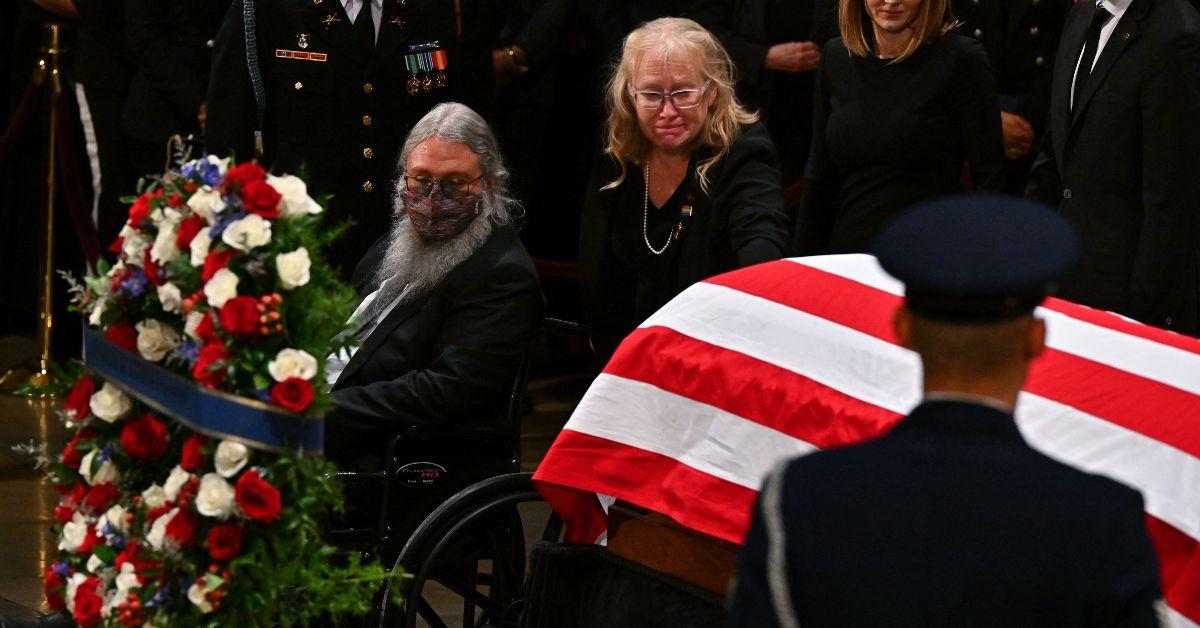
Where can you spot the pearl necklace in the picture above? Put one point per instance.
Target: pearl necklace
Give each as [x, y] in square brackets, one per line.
[646, 217]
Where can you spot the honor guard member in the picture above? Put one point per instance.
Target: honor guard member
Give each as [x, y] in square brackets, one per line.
[951, 518]
[334, 87]
[1021, 39]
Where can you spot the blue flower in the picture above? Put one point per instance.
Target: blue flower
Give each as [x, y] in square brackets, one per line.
[160, 597]
[106, 453]
[108, 529]
[135, 284]
[61, 569]
[189, 169]
[189, 352]
[214, 234]
[263, 394]
[118, 542]
[210, 172]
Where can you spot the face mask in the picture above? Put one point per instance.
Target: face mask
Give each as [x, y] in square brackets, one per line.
[440, 217]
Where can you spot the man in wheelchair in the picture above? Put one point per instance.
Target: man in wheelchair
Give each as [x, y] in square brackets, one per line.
[450, 300]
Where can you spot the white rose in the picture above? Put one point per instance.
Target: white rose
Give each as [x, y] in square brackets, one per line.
[207, 203]
[221, 288]
[106, 473]
[74, 533]
[293, 268]
[215, 497]
[164, 249]
[296, 201]
[127, 579]
[98, 311]
[155, 339]
[222, 164]
[230, 458]
[154, 497]
[158, 530]
[193, 321]
[109, 403]
[174, 482]
[197, 595]
[199, 247]
[170, 297]
[77, 579]
[94, 563]
[247, 233]
[115, 518]
[119, 267]
[292, 363]
[133, 249]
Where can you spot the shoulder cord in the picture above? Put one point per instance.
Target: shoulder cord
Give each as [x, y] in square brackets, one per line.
[777, 579]
[256, 82]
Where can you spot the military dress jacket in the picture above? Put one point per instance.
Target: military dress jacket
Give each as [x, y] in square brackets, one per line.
[338, 109]
[951, 519]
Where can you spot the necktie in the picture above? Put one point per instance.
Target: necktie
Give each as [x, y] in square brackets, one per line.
[1088, 56]
[364, 26]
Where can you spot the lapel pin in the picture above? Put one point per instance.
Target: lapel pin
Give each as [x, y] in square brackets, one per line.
[302, 40]
[1125, 36]
[395, 21]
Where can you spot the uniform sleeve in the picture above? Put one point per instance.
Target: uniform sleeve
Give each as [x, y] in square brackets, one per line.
[164, 60]
[752, 198]
[232, 112]
[1128, 584]
[822, 186]
[752, 603]
[484, 332]
[977, 116]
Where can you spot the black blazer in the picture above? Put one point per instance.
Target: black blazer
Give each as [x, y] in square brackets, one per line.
[951, 519]
[446, 357]
[1125, 168]
[739, 223]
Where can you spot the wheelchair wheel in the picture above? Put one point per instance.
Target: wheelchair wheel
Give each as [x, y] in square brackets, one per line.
[467, 560]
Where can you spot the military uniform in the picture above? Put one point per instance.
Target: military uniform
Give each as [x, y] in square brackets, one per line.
[1021, 39]
[337, 106]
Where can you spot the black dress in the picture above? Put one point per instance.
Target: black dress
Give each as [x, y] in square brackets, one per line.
[740, 222]
[888, 135]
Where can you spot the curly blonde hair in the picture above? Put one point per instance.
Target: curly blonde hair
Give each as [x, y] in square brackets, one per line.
[675, 38]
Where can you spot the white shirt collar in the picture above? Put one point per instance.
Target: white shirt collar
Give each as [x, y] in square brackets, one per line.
[1116, 7]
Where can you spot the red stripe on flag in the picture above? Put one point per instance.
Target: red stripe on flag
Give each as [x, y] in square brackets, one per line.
[1179, 568]
[1116, 323]
[693, 498]
[1151, 408]
[748, 387]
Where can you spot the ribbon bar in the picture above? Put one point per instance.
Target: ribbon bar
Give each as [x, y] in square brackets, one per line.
[213, 413]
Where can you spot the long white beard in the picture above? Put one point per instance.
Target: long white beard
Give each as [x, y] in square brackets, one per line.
[418, 264]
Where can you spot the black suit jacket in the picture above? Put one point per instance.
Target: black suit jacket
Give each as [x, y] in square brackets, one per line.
[949, 520]
[1124, 166]
[446, 357]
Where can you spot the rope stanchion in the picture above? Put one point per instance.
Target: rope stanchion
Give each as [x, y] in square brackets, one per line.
[69, 160]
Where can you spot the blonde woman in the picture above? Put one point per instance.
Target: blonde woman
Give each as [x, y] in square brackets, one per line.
[687, 187]
[901, 105]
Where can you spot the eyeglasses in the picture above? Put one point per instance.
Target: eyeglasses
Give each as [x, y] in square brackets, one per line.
[451, 188]
[680, 98]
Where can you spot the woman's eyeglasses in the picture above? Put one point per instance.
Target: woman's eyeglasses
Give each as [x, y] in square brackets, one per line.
[680, 98]
[451, 188]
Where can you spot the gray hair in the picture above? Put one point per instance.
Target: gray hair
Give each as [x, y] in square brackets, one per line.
[456, 122]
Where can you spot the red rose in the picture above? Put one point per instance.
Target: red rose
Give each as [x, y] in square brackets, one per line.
[239, 176]
[155, 513]
[130, 555]
[192, 458]
[225, 541]
[187, 231]
[100, 497]
[190, 187]
[88, 604]
[175, 201]
[140, 210]
[258, 499]
[181, 528]
[239, 316]
[117, 245]
[90, 541]
[78, 401]
[293, 393]
[215, 261]
[74, 496]
[122, 335]
[207, 369]
[258, 197]
[154, 272]
[144, 437]
[205, 330]
[114, 281]
[53, 587]
[187, 492]
[62, 515]
[71, 455]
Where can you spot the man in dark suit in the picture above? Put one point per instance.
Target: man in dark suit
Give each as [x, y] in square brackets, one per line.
[1120, 158]
[1021, 38]
[343, 81]
[450, 295]
[951, 519]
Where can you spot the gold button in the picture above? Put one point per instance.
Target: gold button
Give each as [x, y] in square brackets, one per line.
[1033, 31]
[978, 33]
[368, 186]
[367, 120]
[368, 153]
[299, 86]
[1039, 61]
[368, 88]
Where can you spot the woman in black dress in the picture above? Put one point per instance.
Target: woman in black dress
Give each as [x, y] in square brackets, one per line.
[688, 186]
[901, 105]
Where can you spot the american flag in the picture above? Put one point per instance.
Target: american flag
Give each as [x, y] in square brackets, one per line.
[778, 360]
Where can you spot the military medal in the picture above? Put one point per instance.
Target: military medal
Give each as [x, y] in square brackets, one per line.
[414, 82]
[302, 40]
[426, 64]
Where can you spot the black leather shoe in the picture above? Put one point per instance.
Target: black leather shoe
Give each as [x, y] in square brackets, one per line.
[53, 620]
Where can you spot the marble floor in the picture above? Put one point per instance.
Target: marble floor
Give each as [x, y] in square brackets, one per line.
[27, 500]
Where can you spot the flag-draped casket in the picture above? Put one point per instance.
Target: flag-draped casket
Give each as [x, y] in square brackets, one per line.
[748, 368]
